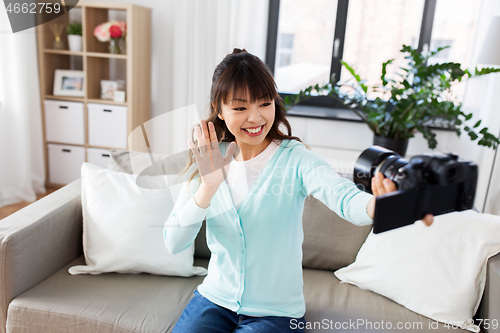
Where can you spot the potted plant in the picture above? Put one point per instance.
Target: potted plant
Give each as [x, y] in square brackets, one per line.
[74, 31]
[421, 96]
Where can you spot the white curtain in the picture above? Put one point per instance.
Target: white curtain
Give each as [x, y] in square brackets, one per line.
[481, 99]
[22, 173]
[204, 32]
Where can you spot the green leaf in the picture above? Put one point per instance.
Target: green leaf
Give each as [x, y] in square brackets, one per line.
[473, 135]
[486, 70]
[384, 71]
[439, 49]
[356, 76]
[477, 124]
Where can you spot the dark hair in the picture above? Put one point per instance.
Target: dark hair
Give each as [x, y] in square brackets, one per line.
[238, 73]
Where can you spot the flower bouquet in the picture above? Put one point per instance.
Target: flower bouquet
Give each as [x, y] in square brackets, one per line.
[112, 32]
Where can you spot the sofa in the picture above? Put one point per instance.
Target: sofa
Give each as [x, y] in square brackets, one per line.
[40, 242]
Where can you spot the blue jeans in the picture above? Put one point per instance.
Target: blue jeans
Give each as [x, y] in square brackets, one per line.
[203, 316]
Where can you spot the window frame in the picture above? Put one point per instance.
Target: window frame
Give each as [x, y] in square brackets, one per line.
[339, 38]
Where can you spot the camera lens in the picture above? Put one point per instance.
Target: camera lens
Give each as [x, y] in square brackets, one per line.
[376, 159]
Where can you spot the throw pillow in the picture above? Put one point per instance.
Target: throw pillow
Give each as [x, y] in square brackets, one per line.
[437, 271]
[325, 233]
[123, 226]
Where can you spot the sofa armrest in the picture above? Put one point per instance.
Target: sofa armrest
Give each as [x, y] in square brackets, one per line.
[37, 241]
[490, 304]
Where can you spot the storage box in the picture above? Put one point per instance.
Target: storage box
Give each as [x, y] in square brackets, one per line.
[98, 157]
[64, 122]
[107, 125]
[65, 163]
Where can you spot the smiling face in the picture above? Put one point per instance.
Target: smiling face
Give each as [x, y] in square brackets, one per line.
[249, 122]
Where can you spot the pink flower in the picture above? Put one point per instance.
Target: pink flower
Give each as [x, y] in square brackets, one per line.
[115, 31]
[123, 27]
[112, 29]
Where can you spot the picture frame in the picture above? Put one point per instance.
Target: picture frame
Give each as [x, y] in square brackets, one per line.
[113, 90]
[108, 89]
[69, 83]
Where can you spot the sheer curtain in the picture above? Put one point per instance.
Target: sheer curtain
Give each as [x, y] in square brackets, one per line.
[481, 98]
[204, 32]
[22, 173]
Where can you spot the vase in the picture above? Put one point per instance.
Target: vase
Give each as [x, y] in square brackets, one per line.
[397, 145]
[58, 44]
[75, 43]
[114, 46]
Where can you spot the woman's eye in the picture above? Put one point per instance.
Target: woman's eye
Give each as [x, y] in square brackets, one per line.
[266, 104]
[239, 109]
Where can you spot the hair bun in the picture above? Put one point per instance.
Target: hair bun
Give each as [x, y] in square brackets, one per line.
[236, 51]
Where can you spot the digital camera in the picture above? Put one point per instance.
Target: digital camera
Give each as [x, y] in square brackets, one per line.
[434, 183]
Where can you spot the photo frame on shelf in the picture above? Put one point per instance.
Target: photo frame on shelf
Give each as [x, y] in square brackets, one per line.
[108, 89]
[69, 83]
[113, 90]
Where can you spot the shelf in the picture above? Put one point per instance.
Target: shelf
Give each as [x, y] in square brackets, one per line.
[64, 98]
[90, 54]
[98, 64]
[81, 99]
[107, 148]
[106, 101]
[63, 143]
[66, 52]
[99, 69]
[106, 55]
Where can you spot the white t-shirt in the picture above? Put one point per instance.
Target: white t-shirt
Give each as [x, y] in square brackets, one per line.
[242, 174]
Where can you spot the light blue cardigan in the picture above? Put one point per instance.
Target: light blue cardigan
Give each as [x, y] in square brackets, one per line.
[256, 263]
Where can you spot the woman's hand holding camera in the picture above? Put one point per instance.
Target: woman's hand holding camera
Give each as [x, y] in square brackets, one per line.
[209, 161]
[381, 185]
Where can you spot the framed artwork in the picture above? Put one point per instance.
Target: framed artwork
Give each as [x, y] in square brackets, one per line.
[69, 83]
[108, 89]
[113, 90]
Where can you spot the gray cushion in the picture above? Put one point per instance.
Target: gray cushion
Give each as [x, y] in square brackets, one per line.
[330, 242]
[327, 298]
[102, 303]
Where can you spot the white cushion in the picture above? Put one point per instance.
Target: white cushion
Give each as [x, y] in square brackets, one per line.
[123, 226]
[437, 271]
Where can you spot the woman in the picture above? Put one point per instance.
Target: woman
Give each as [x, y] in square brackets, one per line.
[253, 180]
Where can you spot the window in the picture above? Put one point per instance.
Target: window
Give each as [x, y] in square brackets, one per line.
[285, 50]
[307, 39]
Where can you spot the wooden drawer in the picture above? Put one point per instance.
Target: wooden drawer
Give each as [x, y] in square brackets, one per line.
[107, 125]
[65, 163]
[64, 122]
[98, 157]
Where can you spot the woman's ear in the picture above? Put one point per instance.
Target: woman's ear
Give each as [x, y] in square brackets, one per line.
[220, 116]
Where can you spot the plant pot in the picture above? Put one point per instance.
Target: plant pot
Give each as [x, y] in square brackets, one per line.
[75, 43]
[399, 146]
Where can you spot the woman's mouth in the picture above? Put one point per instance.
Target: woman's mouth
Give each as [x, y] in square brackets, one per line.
[254, 131]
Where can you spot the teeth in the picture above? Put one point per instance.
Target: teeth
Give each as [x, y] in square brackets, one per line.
[253, 130]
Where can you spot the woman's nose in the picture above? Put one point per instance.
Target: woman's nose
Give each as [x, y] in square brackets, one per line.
[254, 115]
